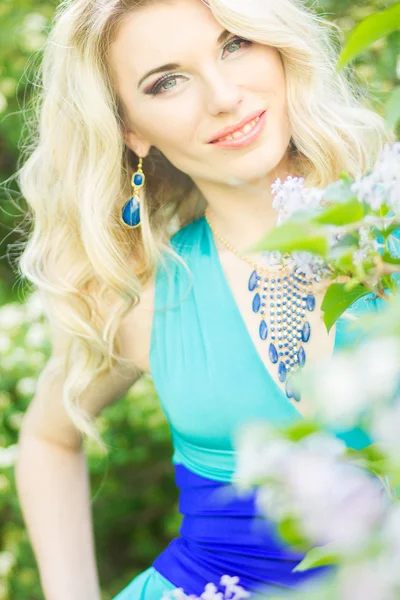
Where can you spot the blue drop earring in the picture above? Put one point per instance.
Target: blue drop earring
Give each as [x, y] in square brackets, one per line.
[131, 210]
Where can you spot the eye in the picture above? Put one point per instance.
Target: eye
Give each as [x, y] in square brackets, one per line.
[158, 88]
[236, 42]
[159, 85]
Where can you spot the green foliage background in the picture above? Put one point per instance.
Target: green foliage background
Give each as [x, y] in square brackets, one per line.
[134, 500]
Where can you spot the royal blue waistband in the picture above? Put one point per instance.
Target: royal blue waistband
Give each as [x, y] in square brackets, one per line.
[223, 533]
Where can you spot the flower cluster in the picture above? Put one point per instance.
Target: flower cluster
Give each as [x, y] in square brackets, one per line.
[382, 184]
[233, 591]
[334, 502]
[367, 246]
[291, 196]
[379, 190]
[353, 382]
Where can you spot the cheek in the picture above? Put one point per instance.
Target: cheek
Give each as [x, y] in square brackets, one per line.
[267, 71]
[171, 124]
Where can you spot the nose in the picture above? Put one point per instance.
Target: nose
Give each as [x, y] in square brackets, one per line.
[222, 93]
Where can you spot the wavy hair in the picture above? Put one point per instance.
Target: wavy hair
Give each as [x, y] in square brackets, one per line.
[75, 178]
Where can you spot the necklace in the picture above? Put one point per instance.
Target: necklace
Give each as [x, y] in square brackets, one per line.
[288, 295]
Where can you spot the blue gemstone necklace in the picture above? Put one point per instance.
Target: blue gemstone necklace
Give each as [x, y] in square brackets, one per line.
[281, 298]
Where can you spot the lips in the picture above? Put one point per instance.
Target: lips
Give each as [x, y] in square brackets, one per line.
[232, 128]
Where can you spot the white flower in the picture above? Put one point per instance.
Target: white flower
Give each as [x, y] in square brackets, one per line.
[337, 391]
[347, 512]
[271, 258]
[274, 501]
[26, 386]
[390, 534]
[211, 593]
[259, 455]
[34, 308]
[8, 456]
[323, 443]
[346, 384]
[333, 501]
[7, 561]
[367, 580]
[385, 430]
[310, 264]
[36, 335]
[381, 185]
[377, 363]
[5, 342]
[233, 591]
[291, 197]
[11, 316]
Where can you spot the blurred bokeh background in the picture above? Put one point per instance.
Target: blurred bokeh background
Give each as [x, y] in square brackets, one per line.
[134, 500]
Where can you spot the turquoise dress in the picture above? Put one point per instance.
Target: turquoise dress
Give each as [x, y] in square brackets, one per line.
[211, 380]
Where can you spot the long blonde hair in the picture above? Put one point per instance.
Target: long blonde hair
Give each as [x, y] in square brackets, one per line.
[76, 177]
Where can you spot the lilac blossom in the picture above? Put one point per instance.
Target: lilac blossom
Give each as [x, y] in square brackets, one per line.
[382, 184]
[291, 196]
[233, 591]
[334, 502]
[369, 579]
[342, 387]
[367, 246]
[385, 429]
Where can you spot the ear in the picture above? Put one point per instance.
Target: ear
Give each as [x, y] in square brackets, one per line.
[139, 146]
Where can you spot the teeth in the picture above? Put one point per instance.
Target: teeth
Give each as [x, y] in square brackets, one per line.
[237, 134]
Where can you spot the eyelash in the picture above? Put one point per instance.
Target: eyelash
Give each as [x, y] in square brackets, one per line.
[154, 90]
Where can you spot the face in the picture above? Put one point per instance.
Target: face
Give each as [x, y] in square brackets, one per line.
[216, 81]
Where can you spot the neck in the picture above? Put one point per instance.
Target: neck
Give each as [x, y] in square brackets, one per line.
[243, 214]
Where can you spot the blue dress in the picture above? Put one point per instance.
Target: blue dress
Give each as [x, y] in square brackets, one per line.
[211, 380]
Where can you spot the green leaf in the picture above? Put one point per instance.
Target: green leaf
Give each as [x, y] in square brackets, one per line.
[341, 213]
[389, 230]
[368, 31]
[345, 259]
[392, 108]
[316, 557]
[387, 257]
[290, 532]
[293, 235]
[337, 299]
[301, 429]
[371, 453]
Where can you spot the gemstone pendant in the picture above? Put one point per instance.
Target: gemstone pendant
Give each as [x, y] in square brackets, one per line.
[273, 354]
[302, 357]
[138, 179]
[263, 330]
[287, 297]
[282, 371]
[252, 281]
[310, 301]
[131, 212]
[256, 303]
[305, 334]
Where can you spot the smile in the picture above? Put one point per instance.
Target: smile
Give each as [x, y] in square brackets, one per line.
[244, 136]
[240, 132]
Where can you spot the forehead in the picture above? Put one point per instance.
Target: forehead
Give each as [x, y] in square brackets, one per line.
[162, 31]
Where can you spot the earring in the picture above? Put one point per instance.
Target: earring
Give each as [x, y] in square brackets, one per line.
[131, 210]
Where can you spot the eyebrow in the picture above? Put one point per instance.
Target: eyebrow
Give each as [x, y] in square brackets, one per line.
[171, 66]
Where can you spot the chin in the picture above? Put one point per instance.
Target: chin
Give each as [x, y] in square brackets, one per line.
[253, 173]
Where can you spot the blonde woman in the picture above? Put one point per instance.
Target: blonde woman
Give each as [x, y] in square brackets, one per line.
[161, 127]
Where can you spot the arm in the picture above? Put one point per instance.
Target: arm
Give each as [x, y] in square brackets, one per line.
[53, 484]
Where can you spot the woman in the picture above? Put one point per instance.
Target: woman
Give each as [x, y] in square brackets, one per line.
[200, 107]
